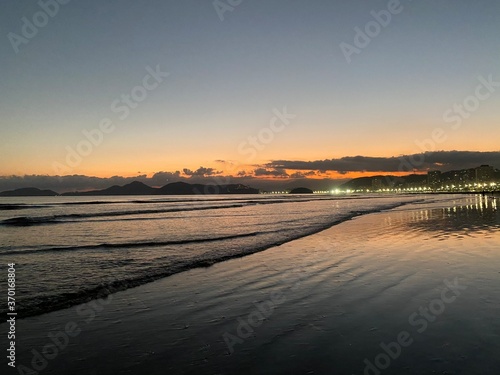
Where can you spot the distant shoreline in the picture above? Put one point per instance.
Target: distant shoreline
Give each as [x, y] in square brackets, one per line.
[83, 194]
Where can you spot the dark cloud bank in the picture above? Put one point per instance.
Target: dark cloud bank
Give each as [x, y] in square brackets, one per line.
[440, 160]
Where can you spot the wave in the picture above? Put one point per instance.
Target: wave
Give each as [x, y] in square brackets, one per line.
[277, 199]
[130, 245]
[18, 206]
[151, 201]
[25, 221]
[39, 305]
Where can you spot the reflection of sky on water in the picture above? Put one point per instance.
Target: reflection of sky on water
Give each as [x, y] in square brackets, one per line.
[473, 214]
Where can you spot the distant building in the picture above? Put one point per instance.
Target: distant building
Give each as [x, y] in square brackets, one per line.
[485, 173]
[434, 178]
[468, 175]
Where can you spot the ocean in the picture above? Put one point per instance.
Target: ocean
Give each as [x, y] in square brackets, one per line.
[69, 250]
[339, 300]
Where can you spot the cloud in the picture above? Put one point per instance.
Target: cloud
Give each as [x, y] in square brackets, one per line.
[441, 160]
[201, 172]
[275, 172]
[163, 178]
[303, 174]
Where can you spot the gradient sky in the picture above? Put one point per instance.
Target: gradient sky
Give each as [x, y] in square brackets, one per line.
[227, 77]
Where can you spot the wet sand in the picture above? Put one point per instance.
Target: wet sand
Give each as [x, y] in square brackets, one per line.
[423, 281]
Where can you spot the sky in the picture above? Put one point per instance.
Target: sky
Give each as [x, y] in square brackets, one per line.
[253, 89]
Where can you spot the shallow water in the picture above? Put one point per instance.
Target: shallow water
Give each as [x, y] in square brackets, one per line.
[342, 294]
[72, 249]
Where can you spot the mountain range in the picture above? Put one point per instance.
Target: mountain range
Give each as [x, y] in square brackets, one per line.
[139, 188]
[182, 188]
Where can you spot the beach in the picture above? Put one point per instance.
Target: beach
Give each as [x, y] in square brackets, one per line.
[410, 290]
[234, 187]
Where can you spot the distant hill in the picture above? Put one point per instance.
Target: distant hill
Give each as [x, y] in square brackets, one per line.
[413, 180]
[134, 188]
[183, 188]
[301, 190]
[385, 181]
[175, 188]
[360, 183]
[28, 192]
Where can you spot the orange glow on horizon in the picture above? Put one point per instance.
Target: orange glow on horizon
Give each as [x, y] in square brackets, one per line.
[232, 173]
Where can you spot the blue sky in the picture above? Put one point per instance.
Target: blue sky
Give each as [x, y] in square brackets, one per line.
[227, 77]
